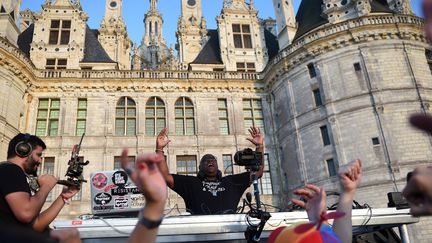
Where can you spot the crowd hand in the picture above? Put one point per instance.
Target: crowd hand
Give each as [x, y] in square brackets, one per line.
[48, 181]
[257, 137]
[162, 139]
[418, 191]
[427, 11]
[147, 177]
[350, 175]
[66, 235]
[315, 201]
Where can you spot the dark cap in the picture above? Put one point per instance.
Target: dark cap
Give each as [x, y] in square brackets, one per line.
[208, 157]
[422, 122]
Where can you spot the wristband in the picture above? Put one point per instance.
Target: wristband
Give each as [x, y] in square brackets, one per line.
[160, 150]
[65, 199]
[149, 224]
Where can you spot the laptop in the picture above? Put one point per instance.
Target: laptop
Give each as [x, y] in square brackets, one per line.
[114, 193]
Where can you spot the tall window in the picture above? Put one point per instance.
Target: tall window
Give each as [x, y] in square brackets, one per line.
[246, 67]
[429, 58]
[155, 116]
[242, 36]
[312, 71]
[48, 168]
[253, 115]
[223, 117]
[47, 122]
[228, 164]
[265, 181]
[125, 123]
[184, 117]
[325, 136]
[331, 167]
[56, 63]
[186, 165]
[317, 97]
[117, 161]
[59, 32]
[81, 117]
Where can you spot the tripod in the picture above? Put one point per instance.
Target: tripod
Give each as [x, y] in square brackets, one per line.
[253, 232]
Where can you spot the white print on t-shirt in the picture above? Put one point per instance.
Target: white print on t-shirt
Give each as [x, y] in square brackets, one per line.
[212, 187]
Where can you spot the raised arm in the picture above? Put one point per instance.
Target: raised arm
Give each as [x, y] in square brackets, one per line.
[161, 142]
[314, 201]
[26, 207]
[257, 138]
[350, 176]
[151, 183]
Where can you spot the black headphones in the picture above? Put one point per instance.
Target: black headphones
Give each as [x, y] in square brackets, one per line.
[24, 148]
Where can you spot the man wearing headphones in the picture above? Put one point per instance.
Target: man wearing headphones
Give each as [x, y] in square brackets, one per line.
[209, 192]
[17, 204]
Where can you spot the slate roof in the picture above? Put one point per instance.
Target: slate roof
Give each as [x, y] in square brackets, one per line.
[25, 39]
[210, 54]
[93, 50]
[272, 43]
[310, 11]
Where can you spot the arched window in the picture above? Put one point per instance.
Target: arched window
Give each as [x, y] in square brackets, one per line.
[125, 123]
[184, 117]
[155, 116]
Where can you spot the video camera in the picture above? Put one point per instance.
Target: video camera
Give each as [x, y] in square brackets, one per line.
[248, 158]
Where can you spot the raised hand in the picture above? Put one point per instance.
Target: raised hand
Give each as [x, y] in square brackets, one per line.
[418, 191]
[350, 175]
[315, 198]
[48, 181]
[147, 177]
[162, 139]
[69, 192]
[257, 136]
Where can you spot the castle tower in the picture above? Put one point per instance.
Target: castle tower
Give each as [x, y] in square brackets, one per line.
[191, 31]
[113, 35]
[286, 23]
[9, 10]
[241, 37]
[26, 19]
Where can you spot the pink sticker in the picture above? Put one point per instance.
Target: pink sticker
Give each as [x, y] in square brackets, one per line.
[99, 180]
[76, 222]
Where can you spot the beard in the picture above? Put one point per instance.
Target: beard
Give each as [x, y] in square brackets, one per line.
[31, 166]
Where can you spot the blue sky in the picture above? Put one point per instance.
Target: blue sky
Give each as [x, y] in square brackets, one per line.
[134, 10]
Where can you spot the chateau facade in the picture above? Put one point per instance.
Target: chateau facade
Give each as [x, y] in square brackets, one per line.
[341, 86]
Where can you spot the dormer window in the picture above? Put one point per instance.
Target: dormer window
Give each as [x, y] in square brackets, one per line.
[59, 32]
[56, 64]
[242, 36]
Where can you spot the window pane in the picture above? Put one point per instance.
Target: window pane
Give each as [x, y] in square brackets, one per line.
[188, 102]
[159, 102]
[149, 126]
[53, 37]
[55, 103]
[120, 112]
[223, 113]
[223, 127]
[131, 127]
[247, 103]
[222, 103]
[149, 112]
[55, 24]
[160, 112]
[53, 128]
[54, 114]
[82, 104]
[236, 27]
[179, 126]
[245, 29]
[130, 102]
[190, 127]
[179, 112]
[42, 114]
[257, 104]
[62, 62]
[247, 113]
[150, 102]
[50, 62]
[160, 124]
[238, 41]
[43, 103]
[64, 40]
[82, 114]
[131, 112]
[247, 41]
[119, 126]
[66, 24]
[121, 102]
[257, 113]
[40, 128]
[189, 112]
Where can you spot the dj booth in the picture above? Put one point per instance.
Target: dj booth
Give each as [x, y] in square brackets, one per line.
[228, 228]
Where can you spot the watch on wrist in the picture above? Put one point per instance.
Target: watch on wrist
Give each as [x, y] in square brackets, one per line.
[150, 224]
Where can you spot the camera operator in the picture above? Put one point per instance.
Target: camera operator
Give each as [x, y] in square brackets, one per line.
[17, 204]
[209, 192]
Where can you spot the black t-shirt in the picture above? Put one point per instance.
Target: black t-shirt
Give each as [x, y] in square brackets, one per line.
[211, 197]
[12, 179]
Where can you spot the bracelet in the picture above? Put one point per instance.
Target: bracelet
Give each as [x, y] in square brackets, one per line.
[65, 199]
[150, 224]
[160, 150]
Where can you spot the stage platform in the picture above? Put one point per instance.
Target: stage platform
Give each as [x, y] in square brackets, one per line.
[224, 228]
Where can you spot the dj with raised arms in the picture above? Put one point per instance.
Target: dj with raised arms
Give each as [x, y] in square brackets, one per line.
[209, 192]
